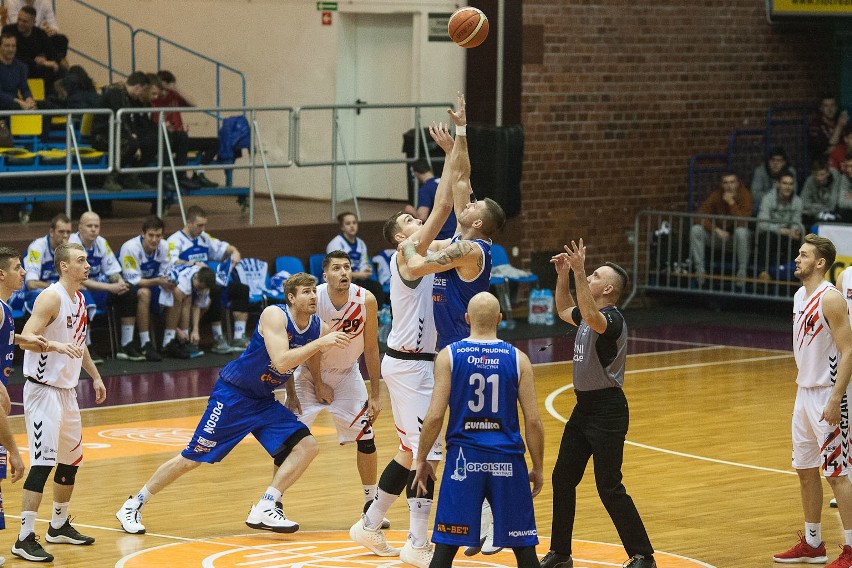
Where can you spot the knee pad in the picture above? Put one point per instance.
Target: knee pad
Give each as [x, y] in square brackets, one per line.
[367, 446]
[412, 493]
[65, 474]
[288, 445]
[37, 478]
[393, 478]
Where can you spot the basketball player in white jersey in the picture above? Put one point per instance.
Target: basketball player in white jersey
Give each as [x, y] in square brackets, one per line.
[332, 380]
[408, 364]
[822, 335]
[54, 428]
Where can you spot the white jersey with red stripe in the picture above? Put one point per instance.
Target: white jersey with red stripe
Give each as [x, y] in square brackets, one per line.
[70, 326]
[844, 284]
[350, 319]
[817, 355]
[413, 326]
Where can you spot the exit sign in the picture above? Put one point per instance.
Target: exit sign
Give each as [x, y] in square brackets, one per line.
[326, 6]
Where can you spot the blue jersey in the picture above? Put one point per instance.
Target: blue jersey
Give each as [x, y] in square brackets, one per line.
[484, 397]
[7, 341]
[451, 295]
[253, 373]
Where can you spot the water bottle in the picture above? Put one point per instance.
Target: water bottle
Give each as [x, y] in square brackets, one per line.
[384, 324]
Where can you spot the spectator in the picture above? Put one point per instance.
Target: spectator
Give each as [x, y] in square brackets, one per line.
[14, 91]
[766, 175]
[730, 198]
[779, 225]
[38, 263]
[138, 137]
[844, 193]
[35, 49]
[105, 283]
[382, 262]
[838, 154]
[819, 193]
[45, 20]
[76, 90]
[349, 242]
[191, 297]
[824, 133]
[179, 137]
[145, 264]
[192, 245]
[426, 198]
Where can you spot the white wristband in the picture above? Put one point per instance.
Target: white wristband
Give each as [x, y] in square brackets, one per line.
[461, 130]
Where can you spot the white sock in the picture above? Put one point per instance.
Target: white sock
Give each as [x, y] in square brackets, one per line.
[813, 534]
[370, 492]
[144, 337]
[126, 334]
[144, 495]
[27, 524]
[271, 494]
[378, 509]
[60, 514]
[419, 510]
[847, 536]
[217, 329]
[239, 329]
[168, 335]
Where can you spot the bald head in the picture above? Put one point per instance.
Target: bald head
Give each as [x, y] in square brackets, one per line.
[89, 216]
[89, 227]
[483, 314]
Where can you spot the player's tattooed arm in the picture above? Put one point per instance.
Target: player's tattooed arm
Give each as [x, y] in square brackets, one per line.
[457, 254]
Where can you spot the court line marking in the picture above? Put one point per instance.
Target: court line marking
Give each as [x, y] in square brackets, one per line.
[551, 409]
[781, 355]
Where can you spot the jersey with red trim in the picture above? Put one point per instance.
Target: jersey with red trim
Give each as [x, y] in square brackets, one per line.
[844, 284]
[817, 355]
[413, 326]
[350, 319]
[70, 326]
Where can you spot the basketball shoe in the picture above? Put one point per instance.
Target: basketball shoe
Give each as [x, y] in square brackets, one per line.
[373, 539]
[803, 552]
[419, 556]
[270, 518]
[844, 560]
[66, 534]
[30, 549]
[640, 561]
[555, 560]
[130, 517]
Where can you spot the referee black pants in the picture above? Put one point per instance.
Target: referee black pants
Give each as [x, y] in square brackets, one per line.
[597, 429]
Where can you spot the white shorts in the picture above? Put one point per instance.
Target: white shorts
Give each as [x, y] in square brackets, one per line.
[816, 443]
[54, 428]
[349, 408]
[410, 385]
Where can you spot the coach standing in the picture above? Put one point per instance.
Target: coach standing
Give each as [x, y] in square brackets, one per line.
[598, 425]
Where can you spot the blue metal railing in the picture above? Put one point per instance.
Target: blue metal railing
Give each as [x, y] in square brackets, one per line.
[787, 126]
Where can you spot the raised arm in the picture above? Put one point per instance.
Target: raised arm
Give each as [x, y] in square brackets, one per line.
[533, 427]
[564, 300]
[576, 254]
[459, 254]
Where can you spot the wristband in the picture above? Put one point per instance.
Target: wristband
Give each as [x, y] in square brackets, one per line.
[461, 130]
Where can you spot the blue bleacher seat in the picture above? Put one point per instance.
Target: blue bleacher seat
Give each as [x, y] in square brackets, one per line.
[315, 264]
[289, 263]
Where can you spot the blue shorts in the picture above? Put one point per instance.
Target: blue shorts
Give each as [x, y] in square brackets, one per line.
[471, 475]
[231, 416]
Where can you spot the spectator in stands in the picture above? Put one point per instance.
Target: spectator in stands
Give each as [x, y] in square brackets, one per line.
[191, 298]
[349, 242]
[192, 245]
[766, 175]
[106, 284]
[779, 226]
[838, 155]
[38, 263]
[844, 193]
[76, 90]
[181, 142]
[138, 137]
[426, 198]
[45, 20]
[820, 193]
[731, 198]
[14, 91]
[35, 49]
[824, 133]
[145, 264]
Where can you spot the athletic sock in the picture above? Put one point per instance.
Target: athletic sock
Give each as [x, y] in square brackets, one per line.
[378, 509]
[847, 537]
[126, 334]
[27, 524]
[419, 510]
[144, 496]
[270, 495]
[168, 335]
[370, 492]
[217, 329]
[813, 534]
[239, 329]
[60, 514]
[144, 337]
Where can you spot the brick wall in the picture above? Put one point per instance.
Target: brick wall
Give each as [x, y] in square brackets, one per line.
[615, 99]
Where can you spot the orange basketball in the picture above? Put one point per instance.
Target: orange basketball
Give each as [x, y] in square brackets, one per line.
[468, 26]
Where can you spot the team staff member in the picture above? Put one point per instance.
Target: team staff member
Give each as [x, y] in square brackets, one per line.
[598, 425]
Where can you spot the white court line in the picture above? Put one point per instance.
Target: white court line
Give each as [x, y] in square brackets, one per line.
[551, 409]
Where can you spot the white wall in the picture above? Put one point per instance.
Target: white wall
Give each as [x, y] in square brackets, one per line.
[288, 57]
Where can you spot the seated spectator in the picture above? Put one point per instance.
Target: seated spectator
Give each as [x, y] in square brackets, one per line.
[138, 137]
[179, 138]
[75, 90]
[35, 49]
[349, 242]
[426, 198]
[193, 246]
[838, 154]
[779, 225]
[45, 19]
[145, 265]
[382, 261]
[844, 193]
[38, 263]
[105, 283]
[190, 298]
[766, 175]
[14, 91]
[731, 198]
[820, 193]
[824, 132]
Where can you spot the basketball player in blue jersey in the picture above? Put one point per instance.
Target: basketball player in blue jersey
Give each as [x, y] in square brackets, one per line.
[243, 402]
[482, 380]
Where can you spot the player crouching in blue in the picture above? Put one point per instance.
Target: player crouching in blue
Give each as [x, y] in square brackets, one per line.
[243, 402]
[482, 379]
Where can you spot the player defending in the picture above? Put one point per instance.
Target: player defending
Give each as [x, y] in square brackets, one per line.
[821, 335]
[333, 380]
[54, 428]
[482, 379]
[408, 365]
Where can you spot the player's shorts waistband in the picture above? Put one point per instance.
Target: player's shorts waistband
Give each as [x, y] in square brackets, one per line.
[409, 356]
[32, 380]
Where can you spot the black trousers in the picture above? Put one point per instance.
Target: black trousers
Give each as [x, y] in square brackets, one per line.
[596, 430]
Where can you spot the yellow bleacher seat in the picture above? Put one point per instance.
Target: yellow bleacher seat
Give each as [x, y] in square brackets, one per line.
[26, 125]
[86, 124]
[36, 88]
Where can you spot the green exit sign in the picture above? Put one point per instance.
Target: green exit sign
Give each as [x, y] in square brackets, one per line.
[327, 6]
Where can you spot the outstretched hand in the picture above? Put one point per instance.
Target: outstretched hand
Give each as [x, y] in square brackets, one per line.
[441, 135]
[459, 116]
[576, 255]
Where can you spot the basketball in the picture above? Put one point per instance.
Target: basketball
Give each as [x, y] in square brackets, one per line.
[468, 27]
